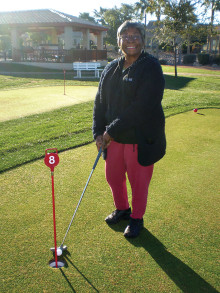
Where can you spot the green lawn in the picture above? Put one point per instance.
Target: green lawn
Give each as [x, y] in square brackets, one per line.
[25, 102]
[190, 69]
[66, 124]
[178, 248]
[176, 252]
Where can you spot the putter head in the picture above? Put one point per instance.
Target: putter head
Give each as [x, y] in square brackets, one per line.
[63, 248]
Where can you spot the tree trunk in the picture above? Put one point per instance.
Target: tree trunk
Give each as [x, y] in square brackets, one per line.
[188, 45]
[180, 53]
[219, 45]
[211, 30]
[175, 66]
[157, 51]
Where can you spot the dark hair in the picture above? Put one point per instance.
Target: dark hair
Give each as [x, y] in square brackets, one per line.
[127, 24]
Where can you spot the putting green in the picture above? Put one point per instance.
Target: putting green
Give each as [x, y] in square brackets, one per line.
[23, 102]
[177, 250]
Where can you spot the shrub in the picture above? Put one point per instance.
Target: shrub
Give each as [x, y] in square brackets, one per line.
[163, 62]
[189, 59]
[216, 59]
[168, 48]
[110, 59]
[203, 59]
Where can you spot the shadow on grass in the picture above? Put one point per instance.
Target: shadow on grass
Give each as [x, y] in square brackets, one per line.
[69, 262]
[69, 76]
[173, 83]
[40, 75]
[69, 283]
[181, 274]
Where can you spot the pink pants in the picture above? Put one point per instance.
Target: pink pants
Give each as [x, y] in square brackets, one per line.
[122, 158]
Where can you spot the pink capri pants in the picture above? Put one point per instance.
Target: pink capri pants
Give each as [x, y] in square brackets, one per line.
[122, 159]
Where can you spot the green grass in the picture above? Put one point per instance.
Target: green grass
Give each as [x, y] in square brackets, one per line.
[25, 102]
[16, 67]
[176, 252]
[190, 69]
[8, 82]
[25, 139]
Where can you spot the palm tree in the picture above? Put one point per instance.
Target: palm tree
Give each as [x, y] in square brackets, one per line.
[215, 6]
[180, 17]
[152, 7]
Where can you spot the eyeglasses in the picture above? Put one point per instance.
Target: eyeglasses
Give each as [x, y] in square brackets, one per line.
[130, 37]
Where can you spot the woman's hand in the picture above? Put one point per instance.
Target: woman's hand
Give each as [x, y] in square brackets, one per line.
[106, 140]
[99, 141]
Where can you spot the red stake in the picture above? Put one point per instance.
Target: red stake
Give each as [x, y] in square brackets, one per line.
[54, 218]
[52, 160]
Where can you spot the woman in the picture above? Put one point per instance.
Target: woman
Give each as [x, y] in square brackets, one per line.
[128, 123]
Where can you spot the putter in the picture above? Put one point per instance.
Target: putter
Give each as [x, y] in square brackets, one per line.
[63, 247]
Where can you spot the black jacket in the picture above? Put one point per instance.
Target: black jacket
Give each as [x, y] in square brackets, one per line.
[128, 106]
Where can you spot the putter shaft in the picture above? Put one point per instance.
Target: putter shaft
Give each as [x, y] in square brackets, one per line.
[93, 168]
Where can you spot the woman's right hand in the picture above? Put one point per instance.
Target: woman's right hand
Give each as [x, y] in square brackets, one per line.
[99, 141]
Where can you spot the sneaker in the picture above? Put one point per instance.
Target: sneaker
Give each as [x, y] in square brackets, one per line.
[134, 228]
[117, 216]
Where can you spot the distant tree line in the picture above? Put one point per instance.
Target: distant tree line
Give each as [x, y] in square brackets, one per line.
[178, 22]
[185, 20]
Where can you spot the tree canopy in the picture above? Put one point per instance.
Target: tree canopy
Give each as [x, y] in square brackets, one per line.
[113, 18]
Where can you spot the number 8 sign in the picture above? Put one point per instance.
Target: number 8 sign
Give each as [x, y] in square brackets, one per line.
[51, 159]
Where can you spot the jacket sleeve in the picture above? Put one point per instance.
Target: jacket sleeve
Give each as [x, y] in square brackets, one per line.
[99, 110]
[146, 102]
[99, 121]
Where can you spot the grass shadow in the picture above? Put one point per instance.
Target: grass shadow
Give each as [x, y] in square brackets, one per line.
[69, 76]
[119, 227]
[66, 256]
[176, 83]
[68, 281]
[30, 72]
[40, 75]
[182, 275]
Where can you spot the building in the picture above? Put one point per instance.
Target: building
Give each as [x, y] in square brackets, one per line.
[69, 38]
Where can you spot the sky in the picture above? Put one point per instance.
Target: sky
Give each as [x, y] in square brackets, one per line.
[73, 7]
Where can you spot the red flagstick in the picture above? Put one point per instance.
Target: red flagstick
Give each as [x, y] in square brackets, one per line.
[54, 218]
[52, 160]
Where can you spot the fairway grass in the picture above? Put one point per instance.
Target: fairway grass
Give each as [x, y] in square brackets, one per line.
[176, 252]
[24, 102]
[182, 70]
[48, 118]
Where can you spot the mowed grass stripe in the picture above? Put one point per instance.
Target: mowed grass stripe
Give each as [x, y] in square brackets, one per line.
[24, 139]
[24, 102]
[27, 138]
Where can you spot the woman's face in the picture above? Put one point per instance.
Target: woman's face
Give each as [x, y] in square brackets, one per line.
[131, 44]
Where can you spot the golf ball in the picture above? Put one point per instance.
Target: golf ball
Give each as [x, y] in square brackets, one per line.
[59, 251]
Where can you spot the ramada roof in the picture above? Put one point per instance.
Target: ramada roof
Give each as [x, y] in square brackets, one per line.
[44, 16]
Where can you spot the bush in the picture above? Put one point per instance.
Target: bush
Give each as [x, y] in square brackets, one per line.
[204, 59]
[110, 59]
[189, 59]
[163, 62]
[216, 59]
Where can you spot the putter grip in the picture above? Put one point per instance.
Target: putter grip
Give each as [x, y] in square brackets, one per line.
[97, 159]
